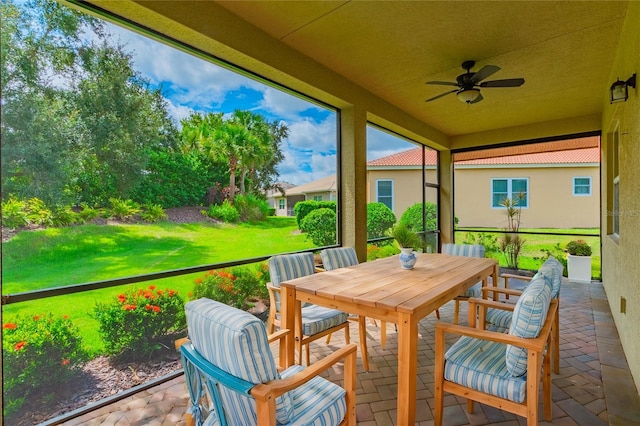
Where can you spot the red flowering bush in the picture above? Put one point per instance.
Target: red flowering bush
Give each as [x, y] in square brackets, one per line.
[236, 287]
[40, 353]
[137, 323]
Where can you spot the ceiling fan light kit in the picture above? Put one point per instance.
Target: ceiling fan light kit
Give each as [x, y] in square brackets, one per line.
[468, 84]
[468, 96]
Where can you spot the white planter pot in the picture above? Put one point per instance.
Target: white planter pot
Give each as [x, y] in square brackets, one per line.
[579, 268]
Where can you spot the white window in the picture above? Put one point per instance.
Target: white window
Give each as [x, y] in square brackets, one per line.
[515, 189]
[582, 186]
[384, 192]
[317, 198]
[281, 204]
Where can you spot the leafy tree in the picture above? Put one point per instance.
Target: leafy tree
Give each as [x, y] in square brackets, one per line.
[78, 123]
[412, 217]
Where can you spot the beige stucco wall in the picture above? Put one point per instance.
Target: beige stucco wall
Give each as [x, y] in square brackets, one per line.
[407, 187]
[551, 200]
[621, 258]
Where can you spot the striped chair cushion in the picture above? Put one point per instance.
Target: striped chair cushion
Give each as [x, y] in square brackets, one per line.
[316, 319]
[340, 257]
[290, 266]
[317, 403]
[529, 315]
[236, 342]
[468, 250]
[481, 365]
[500, 320]
[553, 270]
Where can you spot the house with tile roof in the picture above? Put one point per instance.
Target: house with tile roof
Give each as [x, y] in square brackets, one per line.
[557, 184]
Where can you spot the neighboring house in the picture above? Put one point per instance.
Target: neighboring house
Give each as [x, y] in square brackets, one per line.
[559, 183]
[324, 189]
[559, 188]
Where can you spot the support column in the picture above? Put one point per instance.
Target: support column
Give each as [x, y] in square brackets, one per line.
[446, 197]
[353, 177]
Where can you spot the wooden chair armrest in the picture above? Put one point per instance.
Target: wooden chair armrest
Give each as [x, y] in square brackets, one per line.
[518, 277]
[500, 290]
[278, 335]
[319, 269]
[488, 303]
[276, 388]
[536, 344]
[180, 342]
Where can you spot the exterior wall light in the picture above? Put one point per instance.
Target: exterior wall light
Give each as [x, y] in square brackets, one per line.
[619, 91]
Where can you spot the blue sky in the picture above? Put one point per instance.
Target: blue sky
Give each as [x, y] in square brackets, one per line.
[190, 84]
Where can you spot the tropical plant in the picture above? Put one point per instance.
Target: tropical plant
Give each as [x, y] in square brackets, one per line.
[153, 213]
[235, 287]
[124, 209]
[511, 242]
[404, 236]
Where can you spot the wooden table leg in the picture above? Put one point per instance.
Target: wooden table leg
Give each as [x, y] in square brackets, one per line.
[288, 321]
[407, 369]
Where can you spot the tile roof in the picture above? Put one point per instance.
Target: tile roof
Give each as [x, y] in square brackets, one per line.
[321, 185]
[583, 150]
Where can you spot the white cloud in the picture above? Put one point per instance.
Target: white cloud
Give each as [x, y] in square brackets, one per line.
[283, 104]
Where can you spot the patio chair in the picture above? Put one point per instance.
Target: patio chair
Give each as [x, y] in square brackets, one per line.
[317, 321]
[232, 377]
[469, 250]
[499, 319]
[342, 257]
[502, 370]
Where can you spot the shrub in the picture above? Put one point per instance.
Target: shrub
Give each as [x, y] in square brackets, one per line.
[320, 227]
[135, 323]
[412, 217]
[153, 213]
[379, 219]
[225, 212]
[557, 252]
[489, 241]
[64, 216]
[303, 208]
[124, 209]
[38, 212]
[578, 248]
[234, 288]
[87, 213]
[14, 213]
[40, 353]
[251, 208]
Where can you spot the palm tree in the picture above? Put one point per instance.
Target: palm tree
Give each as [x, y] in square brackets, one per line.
[228, 143]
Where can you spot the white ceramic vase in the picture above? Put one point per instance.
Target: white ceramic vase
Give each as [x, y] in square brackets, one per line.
[407, 258]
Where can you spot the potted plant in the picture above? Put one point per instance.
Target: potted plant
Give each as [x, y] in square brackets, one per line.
[579, 261]
[407, 239]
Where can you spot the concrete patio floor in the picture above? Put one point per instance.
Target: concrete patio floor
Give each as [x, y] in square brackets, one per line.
[594, 386]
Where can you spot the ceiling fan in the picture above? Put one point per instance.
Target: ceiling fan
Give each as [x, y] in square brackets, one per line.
[469, 82]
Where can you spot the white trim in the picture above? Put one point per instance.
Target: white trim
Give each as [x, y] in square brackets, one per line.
[509, 191]
[573, 186]
[392, 191]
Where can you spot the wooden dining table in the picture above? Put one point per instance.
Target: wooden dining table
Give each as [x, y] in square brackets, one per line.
[381, 289]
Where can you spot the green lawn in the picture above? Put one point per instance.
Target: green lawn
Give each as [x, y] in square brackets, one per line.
[64, 256]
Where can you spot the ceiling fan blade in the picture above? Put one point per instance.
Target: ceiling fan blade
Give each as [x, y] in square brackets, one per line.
[509, 82]
[443, 83]
[478, 99]
[485, 72]
[440, 95]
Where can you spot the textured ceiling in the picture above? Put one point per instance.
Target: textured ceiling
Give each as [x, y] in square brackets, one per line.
[562, 49]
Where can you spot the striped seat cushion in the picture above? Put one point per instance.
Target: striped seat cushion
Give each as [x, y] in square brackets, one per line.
[236, 342]
[528, 317]
[481, 365]
[316, 319]
[340, 257]
[316, 403]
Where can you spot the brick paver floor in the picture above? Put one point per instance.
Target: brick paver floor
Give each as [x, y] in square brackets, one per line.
[594, 386]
